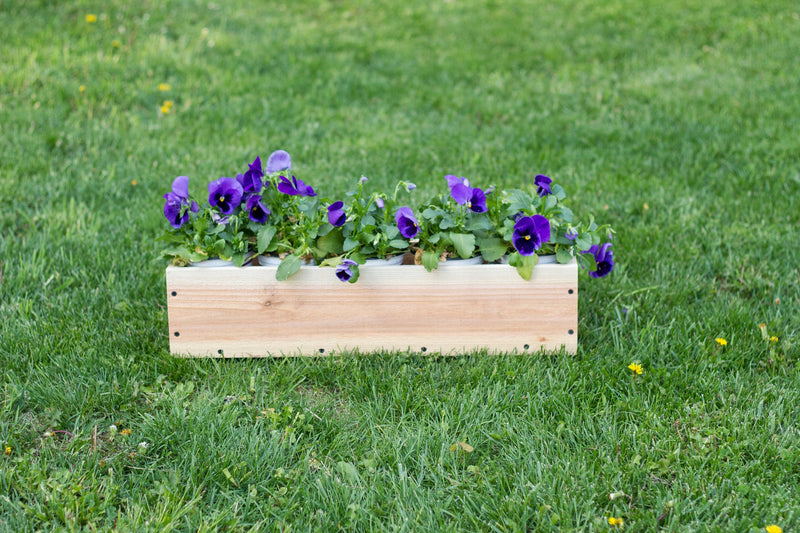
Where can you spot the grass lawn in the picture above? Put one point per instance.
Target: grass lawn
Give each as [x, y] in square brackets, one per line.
[677, 122]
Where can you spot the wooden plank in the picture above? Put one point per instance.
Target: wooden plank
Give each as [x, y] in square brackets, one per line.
[245, 312]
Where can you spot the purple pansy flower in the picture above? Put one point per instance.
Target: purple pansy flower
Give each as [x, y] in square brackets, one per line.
[530, 233]
[604, 258]
[336, 215]
[218, 219]
[410, 186]
[225, 194]
[177, 201]
[295, 187]
[459, 188]
[251, 181]
[379, 202]
[256, 210]
[278, 160]
[344, 270]
[406, 222]
[542, 183]
[477, 201]
[571, 234]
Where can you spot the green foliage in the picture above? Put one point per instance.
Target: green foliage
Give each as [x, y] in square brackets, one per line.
[675, 121]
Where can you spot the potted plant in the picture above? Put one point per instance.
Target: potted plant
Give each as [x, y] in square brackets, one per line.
[277, 216]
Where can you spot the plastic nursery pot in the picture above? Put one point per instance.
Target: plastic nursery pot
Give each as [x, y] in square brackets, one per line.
[274, 260]
[456, 261]
[396, 260]
[214, 262]
[217, 262]
[549, 259]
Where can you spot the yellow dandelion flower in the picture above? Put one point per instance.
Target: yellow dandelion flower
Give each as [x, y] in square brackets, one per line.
[616, 522]
[7, 451]
[646, 206]
[81, 88]
[164, 87]
[774, 529]
[125, 431]
[134, 183]
[636, 368]
[91, 18]
[774, 339]
[166, 107]
[721, 342]
[115, 43]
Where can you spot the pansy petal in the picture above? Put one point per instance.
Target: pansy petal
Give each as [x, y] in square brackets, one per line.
[180, 186]
[278, 160]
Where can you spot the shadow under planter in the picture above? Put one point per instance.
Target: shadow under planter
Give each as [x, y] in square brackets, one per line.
[246, 312]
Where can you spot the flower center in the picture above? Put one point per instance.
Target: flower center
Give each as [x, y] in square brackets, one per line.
[527, 237]
[222, 198]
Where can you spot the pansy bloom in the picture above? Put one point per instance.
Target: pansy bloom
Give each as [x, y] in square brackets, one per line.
[604, 258]
[530, 233]
[406, 222]
[295, 187]
[177, 202]
[571, 234]
[477, 201]
[336, 215]
[278, 160]
[251, 181]
[225, 194]
[459, 188]
[256, 210]
[542, 183]
[344, 270]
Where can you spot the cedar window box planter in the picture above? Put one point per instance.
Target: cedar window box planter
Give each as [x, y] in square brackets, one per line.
[246, 312]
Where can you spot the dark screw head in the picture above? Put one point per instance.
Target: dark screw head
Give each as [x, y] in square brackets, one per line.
[177, 334]
[174, 293]
[525, 347]
[570, 291]
[571, 332]
[424, 349]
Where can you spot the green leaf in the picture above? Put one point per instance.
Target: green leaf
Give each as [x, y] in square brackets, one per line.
[238, 258]
[479, 222]
[584, 242]
[368, 220]
[447, 222]
[492, 249]
[524, 265]
[567, 215]
[289, 266]
[431, 213]
[349, 244]
[563, 255]
[550, 202]
[332, 243]
[519, 201]
[390, 230]
[558, 191]
[400, 244]
[264, 238]
[588, 262]
[430, 260]
[464, 244]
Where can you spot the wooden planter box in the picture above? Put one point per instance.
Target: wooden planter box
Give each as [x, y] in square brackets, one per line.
[245, 312]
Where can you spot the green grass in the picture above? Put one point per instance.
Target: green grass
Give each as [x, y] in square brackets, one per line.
[676, 122]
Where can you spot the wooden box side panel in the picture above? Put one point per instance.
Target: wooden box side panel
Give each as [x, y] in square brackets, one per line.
[230, 311]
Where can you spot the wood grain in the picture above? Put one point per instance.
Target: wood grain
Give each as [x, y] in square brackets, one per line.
[245, 312]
